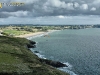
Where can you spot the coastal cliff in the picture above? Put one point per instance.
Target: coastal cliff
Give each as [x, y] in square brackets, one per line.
[17, 59]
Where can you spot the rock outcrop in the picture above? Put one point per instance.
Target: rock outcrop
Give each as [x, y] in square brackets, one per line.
[32, 44]
[56, 64]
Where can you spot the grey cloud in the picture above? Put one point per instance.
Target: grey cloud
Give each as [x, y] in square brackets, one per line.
[36, 8]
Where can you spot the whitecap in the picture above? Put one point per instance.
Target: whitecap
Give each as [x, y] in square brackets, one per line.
[69, 65]
[31, 37]
[67, 69]
[40, 56]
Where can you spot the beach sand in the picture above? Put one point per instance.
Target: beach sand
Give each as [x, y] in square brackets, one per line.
[36, 34]
[31, 34]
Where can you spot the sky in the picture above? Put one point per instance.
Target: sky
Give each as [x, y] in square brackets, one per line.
[62, 12]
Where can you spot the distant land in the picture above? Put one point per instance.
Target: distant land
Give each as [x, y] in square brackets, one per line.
[48, 24]
[61, 25]
[23, 29]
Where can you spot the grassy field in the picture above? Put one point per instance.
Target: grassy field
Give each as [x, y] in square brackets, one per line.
[16, 32]
[16, 59]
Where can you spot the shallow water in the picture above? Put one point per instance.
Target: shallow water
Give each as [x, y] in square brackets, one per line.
[80, 49]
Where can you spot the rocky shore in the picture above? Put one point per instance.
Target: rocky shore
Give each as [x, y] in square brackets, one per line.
[17, 59]
[56, 64]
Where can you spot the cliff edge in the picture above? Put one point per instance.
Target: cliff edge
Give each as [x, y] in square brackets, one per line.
[17, 59]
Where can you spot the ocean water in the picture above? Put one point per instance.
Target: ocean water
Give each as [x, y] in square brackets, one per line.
[79, 49]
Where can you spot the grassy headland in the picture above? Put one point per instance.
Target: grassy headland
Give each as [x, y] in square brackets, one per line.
[16, 59]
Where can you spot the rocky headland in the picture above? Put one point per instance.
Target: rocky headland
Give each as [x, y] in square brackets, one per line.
[17, 59]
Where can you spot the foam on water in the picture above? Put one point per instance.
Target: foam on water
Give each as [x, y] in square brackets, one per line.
[40, 56]
[31, 37]
[69, 65]
[79, 47]
[67, 69]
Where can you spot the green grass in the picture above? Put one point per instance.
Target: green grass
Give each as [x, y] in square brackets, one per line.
[12, 51]
[15, 32]
[16, 59]
[7, 58]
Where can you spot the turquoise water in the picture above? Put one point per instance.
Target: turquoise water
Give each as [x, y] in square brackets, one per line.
[80, 49]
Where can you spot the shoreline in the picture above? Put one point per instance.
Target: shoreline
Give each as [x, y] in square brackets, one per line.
[19, 60]
[30, 35]
[62, 66]
[56, 64]
[36, 34]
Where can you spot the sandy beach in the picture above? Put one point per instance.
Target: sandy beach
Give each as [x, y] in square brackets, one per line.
[31, 34]
[36, 34]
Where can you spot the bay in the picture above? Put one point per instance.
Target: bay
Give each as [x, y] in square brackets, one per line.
[79, 49]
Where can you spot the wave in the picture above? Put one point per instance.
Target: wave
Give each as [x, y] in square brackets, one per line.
[67, 69]
[31, 37]
[38, 54]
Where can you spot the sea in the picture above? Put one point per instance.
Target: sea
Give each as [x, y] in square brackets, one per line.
[78, 49]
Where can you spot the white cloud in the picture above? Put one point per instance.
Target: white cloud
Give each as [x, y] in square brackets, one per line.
[96, 2]
[56, 3]
[17, 14]
[84, 6]
[93, 9]
[47, 8]
[76, 4]
[60, 16]
[70, 6]
[59, 4]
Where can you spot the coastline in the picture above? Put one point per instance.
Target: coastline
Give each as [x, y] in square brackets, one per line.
[30, 35]
[19, 60]
[62, 66]
[36, 34]
[52, 63]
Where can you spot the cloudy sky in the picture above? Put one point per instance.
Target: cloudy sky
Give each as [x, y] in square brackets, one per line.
[51, 12]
